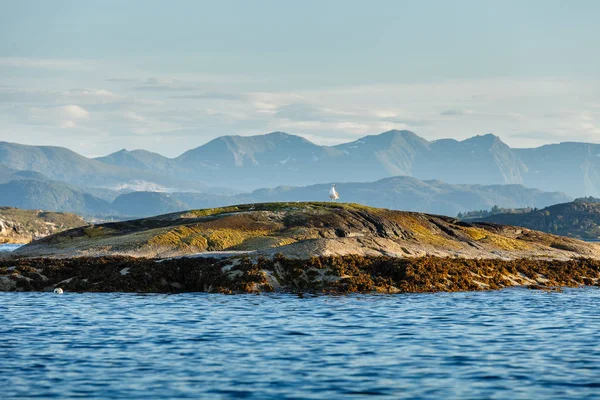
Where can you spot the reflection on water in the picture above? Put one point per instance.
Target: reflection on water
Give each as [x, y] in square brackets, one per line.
[508, 344]
[9, 247]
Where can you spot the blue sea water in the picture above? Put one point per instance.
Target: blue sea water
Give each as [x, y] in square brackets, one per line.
[9, 247]
[509, 344]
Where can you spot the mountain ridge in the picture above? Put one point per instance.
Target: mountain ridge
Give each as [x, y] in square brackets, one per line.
[397, 192]
[246, 163]
[481, 159]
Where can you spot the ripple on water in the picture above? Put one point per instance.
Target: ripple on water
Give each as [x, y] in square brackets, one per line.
[508, 344]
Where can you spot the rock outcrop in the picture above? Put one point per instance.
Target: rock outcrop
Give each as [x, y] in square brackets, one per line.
[23, 226]
[336, 274]
[305, 230]
[299, 247]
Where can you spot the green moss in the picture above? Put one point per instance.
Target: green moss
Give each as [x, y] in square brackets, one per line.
[94, 231]
[279, 206]
[211, 211]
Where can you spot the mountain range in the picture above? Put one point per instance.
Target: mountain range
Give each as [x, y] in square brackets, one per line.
[403, 193]
[249, 162]
[231, 164]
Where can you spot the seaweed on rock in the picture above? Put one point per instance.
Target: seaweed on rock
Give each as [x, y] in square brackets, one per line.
[334, 274]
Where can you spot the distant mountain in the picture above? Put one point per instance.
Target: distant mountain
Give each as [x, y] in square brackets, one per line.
[51, 196]
[248, 162]
[571, 167]
[245, 163]
[403, 193]
[400, 193]
[406, 193]
[478, 160]
[578, 219]
[9, 174]
[277, 158]
[138, 159]
[147, 203]
[373, 157]
[61, 164]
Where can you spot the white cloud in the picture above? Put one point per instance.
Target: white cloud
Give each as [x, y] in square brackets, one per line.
[523, 112]
[385, 114]
[68, 124]
[308, 112]
[134, 117]
[456, 111]
[75, 112]
[93, 94]
[45, 63]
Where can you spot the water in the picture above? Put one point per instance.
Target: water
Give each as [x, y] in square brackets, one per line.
[9, 247]
[509, 344]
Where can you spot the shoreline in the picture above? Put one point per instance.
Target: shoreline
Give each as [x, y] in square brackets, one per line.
[325, 274]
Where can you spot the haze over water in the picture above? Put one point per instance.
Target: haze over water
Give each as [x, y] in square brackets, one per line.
[506, 344]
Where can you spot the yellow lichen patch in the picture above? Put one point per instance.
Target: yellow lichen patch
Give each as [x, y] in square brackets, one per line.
[361, 207]
[213, 235]
[263, 242]
[224, 239]
[276, 206]
[476, 233]
[504, 243]
[285, 241]
[180, 237]
[423, 230]
[212, 211]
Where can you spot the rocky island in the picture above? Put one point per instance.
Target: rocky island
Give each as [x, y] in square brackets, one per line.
[299, 247]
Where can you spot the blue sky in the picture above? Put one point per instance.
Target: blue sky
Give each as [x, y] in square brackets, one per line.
[97, 76]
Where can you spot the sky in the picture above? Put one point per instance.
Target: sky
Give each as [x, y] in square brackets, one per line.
[98, 76]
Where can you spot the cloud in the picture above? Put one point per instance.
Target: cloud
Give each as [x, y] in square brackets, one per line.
[457, 111]
[95, 93]
[308, 112]
[538, 135]
[155, 84]
[181, 110]
[120, 80]
[31, 96]
[134, 117]
[213, 96]
[51, 97]
[385, 114]
[45, 63]
[68, 124]
[75, 112]
[68, 116]
[301, 112]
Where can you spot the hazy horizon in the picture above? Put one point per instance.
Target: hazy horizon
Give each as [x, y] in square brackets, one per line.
[98, 77]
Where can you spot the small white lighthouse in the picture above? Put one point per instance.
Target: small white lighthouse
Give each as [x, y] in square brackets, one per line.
[333, 195]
